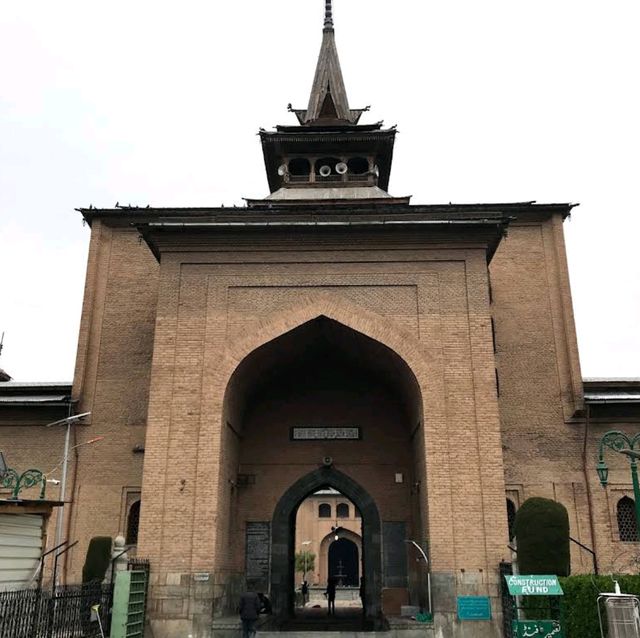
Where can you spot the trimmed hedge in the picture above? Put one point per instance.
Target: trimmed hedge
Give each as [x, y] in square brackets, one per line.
[542, 532]
[580, 601]
[97, 560]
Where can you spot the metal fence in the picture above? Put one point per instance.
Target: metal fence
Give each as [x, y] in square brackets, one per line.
[508, 607]
[68, 611]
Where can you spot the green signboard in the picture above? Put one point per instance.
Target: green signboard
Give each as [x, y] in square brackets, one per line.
[474, 608]
[537, 628]
[533, 585]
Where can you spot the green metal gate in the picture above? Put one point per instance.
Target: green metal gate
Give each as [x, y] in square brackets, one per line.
[129, 602]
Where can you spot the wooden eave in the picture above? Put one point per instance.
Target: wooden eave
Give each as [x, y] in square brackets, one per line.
[266, 231]
[28, 506]
[133, 216]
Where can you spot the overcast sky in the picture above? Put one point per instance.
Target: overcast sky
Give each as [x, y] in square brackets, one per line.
[159, 102]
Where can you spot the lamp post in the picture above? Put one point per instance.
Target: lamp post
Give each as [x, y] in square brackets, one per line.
[304, 555]
[68, 421]
[630, 447]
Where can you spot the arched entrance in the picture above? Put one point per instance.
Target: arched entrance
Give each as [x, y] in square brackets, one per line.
[283, 533]
[321, 391]
[343, 562]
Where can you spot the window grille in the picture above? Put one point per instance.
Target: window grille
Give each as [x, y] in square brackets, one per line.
[511, 517]
[627, 527]
[324, 510]
[133, 521]
[342, 511]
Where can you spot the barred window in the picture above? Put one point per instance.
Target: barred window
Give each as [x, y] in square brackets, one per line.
[511, 517]
[324, 510]
[133, 521]
[627, 527]
[342, 511]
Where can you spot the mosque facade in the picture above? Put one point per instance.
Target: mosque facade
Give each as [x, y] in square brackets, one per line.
[419, 360]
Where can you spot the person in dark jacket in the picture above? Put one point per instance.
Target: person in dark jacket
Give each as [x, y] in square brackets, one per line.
[249, 608]
[330, 593]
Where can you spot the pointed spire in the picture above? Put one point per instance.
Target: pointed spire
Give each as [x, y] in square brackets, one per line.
[328, 99]
[328, 102]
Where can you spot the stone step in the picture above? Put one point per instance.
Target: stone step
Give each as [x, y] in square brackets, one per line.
[399, 628]
[424, 631]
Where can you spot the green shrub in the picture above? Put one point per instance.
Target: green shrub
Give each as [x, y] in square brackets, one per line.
[542, 533]
[97, 561]
[580, 601]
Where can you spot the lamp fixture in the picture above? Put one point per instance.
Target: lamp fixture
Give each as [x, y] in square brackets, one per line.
[603, 472]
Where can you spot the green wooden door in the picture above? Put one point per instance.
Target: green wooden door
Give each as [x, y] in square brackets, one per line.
[129, 601]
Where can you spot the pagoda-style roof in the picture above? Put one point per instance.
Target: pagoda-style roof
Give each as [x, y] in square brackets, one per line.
[328, 147]
[328, 140]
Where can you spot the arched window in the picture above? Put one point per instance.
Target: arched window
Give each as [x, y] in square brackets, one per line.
[358, 165]
[342, 511]
[324, 510]
[356, 513]
[299, 166]
[627, 527]
[511, 517]
[133, 521]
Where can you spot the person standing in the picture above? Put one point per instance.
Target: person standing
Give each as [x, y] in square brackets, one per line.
[305, 592]
[331, 595]
[249, 611]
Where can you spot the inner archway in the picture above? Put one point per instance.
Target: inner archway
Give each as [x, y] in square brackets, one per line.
[283, 540]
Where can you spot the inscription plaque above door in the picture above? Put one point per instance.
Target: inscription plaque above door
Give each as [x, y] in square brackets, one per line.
[304, 433]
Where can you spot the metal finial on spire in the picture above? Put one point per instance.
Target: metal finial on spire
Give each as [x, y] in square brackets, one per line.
[328, 15]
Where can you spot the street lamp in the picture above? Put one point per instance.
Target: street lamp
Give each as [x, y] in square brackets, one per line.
[68, 421]
[304, 556]
[620, 442]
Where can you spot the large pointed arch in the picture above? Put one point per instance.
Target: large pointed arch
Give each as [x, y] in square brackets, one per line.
[283, 531]
[408, 350]
[407, 357]
[369, 323]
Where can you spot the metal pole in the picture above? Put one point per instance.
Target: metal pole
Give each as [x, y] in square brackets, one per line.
[636, 493]
[427, 566]
[63, 488]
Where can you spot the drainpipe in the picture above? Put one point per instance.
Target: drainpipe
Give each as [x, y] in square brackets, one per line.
[587, 423]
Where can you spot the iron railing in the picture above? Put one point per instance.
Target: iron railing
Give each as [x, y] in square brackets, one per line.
[67, 611]
[508, 605]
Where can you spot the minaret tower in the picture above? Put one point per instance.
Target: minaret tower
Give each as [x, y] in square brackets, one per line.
[328, 156]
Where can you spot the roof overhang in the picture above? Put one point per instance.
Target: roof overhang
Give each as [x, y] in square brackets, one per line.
[28, 506]
[609, 391]
[13, 394]
[254, 229]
